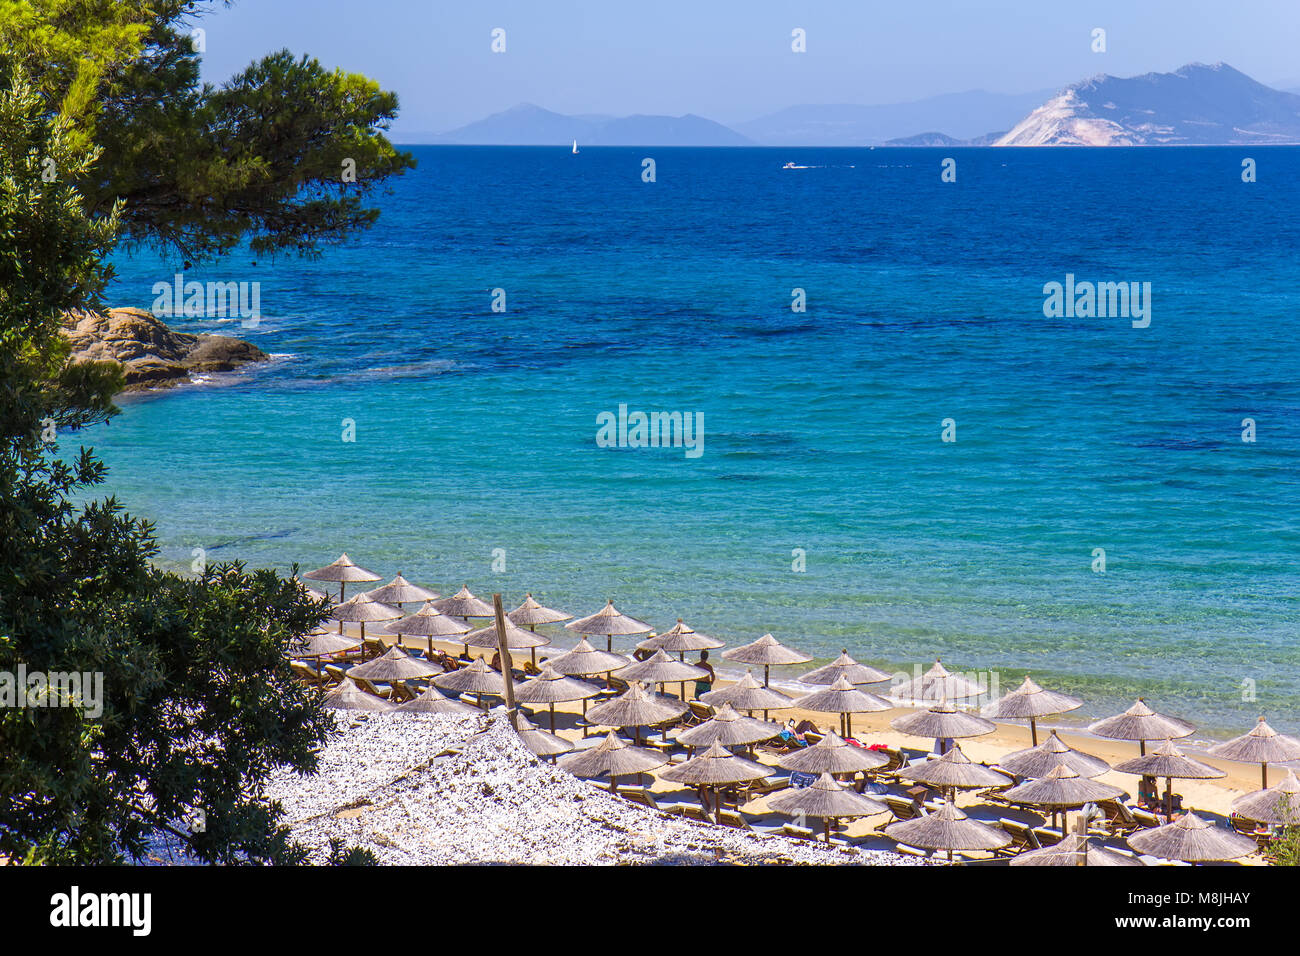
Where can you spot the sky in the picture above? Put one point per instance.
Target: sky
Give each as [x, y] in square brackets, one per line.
[731, 60]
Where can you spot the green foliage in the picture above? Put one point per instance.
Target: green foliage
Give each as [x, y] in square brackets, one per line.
[201, 169]
[100, 99]
[354, 856]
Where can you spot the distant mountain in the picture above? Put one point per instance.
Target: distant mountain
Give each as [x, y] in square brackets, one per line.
[1197, 105]
[961, 115]
[529, 125]
[942, 139]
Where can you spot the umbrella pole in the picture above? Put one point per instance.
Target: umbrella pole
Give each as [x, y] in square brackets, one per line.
[827, 822]
[848, 723]
[1142, 748]
[767, 673]
[1263, 776]
[1033, 732]
[552, 717]
[613, 787]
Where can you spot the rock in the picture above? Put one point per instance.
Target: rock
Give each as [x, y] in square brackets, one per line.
[151, 354]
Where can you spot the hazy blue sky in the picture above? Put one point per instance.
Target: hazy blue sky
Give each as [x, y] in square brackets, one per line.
[731, 61]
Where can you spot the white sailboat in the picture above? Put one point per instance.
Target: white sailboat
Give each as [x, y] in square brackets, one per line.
[575, 147]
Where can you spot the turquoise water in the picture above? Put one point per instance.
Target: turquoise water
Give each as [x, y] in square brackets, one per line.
[476, 430]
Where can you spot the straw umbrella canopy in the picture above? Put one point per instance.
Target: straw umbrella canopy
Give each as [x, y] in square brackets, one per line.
[947, 829]
[767, 650]
[477, 679]
[1062, 789]
[937, 684]
[609, 621]
[517, 639]
[1278, 804]
[954, 770]
[748, 694]
[1039, 761]
[661, 669]
[1169, 762]
[538, 741]
[551, 688]
[348, 696]
[612, 756]
[325, 643]
[833, 755]
[827, 800]
[342, 572]
[943, 720]
[583, 660]
[679, 639]
[395, 664]
[364, 610]
[715, 768]
[465, 604]
[400, 591]
[1141, 723]
[428, 622]
[1192, 839]
[846, 667]
[433, 702]
[844, 699]
[1031, 701]
[530, 614]
[1069, 851]
[729, 728]
[636, 708]
[1263, 745]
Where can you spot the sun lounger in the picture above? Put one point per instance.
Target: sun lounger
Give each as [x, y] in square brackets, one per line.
[306, 673]
[1022, 836]
[691, 811]
[1047, 836]
[798, 833]
[1144, 818]
[730, 818]
[638, 795]
[374, 647]
[335, 672]
[698, 712]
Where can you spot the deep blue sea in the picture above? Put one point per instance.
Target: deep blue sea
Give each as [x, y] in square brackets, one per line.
[476, 430]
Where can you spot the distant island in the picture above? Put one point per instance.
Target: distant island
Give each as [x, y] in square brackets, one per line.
[1197, 105]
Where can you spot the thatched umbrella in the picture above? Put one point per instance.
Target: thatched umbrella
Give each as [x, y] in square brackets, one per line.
[661, 669]
[679, 639]
[314, 594]
[517, 639]
[833, 755]
[1263, 745]
[936, 684]
[1062, 789]
[636, 708]
[1141, 723]
[844, 699]
[465, 604]
[1278, 804]
[826, 800]
[400, 591]
[943, 721]
[363, 609]
[846, 667]
[1192, 840]
[540, 742]
[1169, 762]
[1031, 701]
[395, 664]
[477, 679]
[551, 688]
[729, 728]
[341, 572]
[612, 756]
[348, 696]
[954, 770]
[748, 694]
[1041, 760]
[1075, 849]
[530, 614]
[583, 660]
[325, 643]
[428, 622]
[433, 702]
[947, 829]
[767, 650]
[609, 621]
[713, 769]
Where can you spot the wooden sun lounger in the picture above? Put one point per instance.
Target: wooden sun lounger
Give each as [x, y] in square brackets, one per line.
[335, 672]
[1023, 837]
[306, 673]
[1119, 820]
[730, 818]
[371, 688]
[889, 771]
[374, 647]
[638, 795]
[798, 833]
[691, 811]
[698, 712]
[1144, 818]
